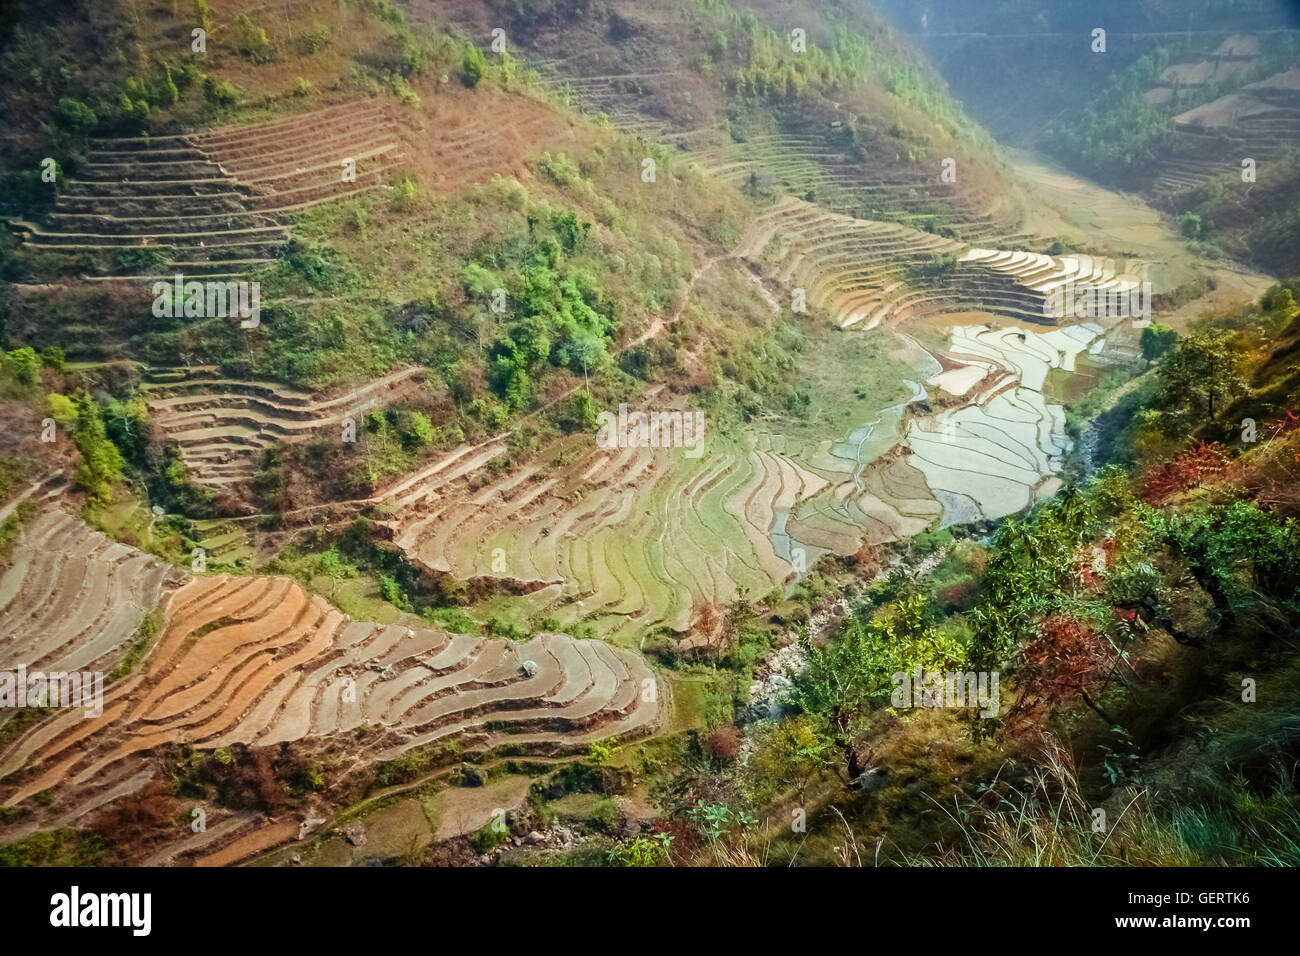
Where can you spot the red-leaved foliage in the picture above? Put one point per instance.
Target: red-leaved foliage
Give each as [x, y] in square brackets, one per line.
[134, 821]
[1063, 661]
[724, 743]
[868, 560]
[706, 635]
[1202, 463]
[706, 621]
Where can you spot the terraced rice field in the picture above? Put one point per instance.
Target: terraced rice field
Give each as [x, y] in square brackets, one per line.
[613, 95]
[256, 660]
[223, 425]
[858, 269]
[648, 90]
[809, 157]
[633, 534]
[1000, 448]
[634, 538]
[214, 204]
[464, 142]
[812, 163]
[1260, 120]
[72, 599]
[994, 446]
[866, 490]
[1000, 451]
[850, 266]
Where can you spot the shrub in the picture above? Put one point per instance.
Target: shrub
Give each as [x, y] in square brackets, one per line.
[139, 259]
[220, 93]
[204, 13]
[958, 595]
[22, 363]
[489, 836]
[76, 115]
[560, 168]
[313, 40]
[252, 41]
[405, 192]
[392, 592]
[643, 851]
[453, 619]
[501, 627]
[607, 816]
[601, 753]
[132, 109]
[724, 743]
[472, 66]
[62, 409]
[1194, 467]
[419, 434]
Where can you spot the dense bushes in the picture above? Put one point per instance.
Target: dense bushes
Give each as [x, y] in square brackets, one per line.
[267, 779]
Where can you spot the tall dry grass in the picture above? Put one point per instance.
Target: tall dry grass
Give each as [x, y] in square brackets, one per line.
[1047, 821]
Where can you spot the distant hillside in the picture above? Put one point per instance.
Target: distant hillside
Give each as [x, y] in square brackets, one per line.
[1019, 66]
[724, 83]
[1182, 99]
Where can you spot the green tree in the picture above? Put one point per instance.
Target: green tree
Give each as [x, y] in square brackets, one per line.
[392, 592]
[101, 463]
[858, 665]
[52, 357]
[1197, 378]
[1029, 575]
[127, 425]
[1156, 341]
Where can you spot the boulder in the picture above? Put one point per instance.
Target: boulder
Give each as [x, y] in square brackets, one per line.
[866, 782]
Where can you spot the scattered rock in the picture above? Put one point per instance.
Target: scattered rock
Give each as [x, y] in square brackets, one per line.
[774, 683]
[870, 780]
[529, 668]
[356, 834]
